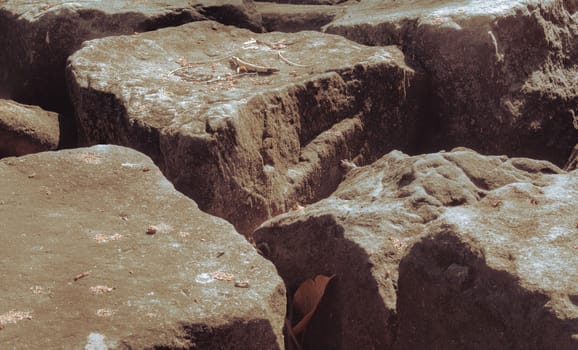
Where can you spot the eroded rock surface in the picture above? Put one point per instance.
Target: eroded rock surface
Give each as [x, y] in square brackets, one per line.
[245, 146]
[79, 270]
[502, 74]
[26, 129]
[41, 35]
[501, 274]
[363, 230]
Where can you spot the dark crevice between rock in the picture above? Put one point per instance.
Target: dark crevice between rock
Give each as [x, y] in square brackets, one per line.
[232, 15]
[353, 291]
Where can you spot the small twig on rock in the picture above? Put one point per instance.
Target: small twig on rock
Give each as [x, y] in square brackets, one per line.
[292, 63]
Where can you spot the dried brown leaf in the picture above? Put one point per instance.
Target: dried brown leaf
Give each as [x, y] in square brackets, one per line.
[307, 298]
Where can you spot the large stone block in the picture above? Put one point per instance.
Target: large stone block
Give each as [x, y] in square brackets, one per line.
[37, 37]
[502, 74]
[245, 145]
[372, 222]
[100, 252]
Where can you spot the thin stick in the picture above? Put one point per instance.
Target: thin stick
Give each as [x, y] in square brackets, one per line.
[292, 63]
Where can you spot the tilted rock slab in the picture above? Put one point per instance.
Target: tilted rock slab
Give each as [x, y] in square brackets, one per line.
[82, 268]
[363, 230]
[37, 37]
[244, 146]
[26, 129]
[503, 74]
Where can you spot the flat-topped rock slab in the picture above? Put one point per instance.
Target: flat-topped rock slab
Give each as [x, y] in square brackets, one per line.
[41, 36]
[502, 74]
[27, 129]
[370, 224]
[100, 252]
[247, 125]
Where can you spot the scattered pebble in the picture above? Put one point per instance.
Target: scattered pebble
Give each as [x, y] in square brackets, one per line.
[242, 284]
[222, 276]
[151, 230]
[97, 290]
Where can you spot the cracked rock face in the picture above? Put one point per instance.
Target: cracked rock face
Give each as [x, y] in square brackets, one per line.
[244, 146]
[502, 74]
[100, 252]
[373, 220]
[26, 129]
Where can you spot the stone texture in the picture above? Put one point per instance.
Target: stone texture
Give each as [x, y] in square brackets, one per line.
[245, 147]
[502, 74]
[26, 129]
[41, 35]
[364, 229]
[80, 272]
[500, 274]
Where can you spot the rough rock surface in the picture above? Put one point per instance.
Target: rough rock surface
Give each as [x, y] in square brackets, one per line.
[79, 270]
[501, 274]
[361, 232]
[41, 35]
[26, 129]
[502, 74]
[244, 146]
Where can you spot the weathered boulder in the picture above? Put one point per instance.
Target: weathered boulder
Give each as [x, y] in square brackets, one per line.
[295, 18]
[363, 230]
[41, 35]
[82, 268]
[503, 75]
[26, 129]
[245, 145]
[500, 274]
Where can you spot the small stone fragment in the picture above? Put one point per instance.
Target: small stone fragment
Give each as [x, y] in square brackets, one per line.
[222, 276]
[151, 230]
[242, 284]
